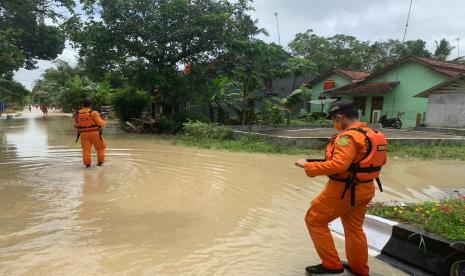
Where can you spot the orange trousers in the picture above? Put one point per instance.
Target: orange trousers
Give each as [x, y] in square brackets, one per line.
[325, 209]
[87, 140]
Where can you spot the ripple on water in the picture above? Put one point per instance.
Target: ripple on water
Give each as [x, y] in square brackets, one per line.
[152, 209]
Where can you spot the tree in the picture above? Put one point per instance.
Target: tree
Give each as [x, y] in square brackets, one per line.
[258, 63]
[24, 36]
[343, 51]
[66, 87]
[146, 40]
[297, 96]
[49, 89]
[443, 49]
[314, 48]
[11, 91]
[296, 67]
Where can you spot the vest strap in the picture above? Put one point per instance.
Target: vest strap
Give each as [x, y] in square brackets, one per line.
[357, 169]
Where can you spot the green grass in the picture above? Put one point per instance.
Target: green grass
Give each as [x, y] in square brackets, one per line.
[263, 145]
[445, 218]
[246, 144]
[455, 152]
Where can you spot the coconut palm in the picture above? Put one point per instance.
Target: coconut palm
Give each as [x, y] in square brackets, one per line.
[443, 49]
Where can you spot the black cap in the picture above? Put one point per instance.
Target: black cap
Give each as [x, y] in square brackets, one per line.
[342, 107]
[86, 103]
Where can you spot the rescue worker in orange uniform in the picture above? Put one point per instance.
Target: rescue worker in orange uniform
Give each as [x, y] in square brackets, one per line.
[89, 125]
[354, 158]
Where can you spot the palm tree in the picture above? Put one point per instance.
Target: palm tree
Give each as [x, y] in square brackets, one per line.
[443, 49]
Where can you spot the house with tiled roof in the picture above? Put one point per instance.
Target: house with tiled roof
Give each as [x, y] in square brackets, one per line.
[391, 90]
[338, 77]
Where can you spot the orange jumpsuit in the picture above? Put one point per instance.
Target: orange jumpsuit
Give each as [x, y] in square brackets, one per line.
[93, 138]
[349, 147]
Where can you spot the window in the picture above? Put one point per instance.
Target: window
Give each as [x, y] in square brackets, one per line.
[377, 103]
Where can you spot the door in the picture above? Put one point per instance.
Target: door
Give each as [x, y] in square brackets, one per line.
[361, 104]
[375, 116]
[376, 104]
[418, 121]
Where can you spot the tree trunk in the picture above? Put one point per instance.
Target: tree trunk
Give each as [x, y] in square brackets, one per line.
[221, 115]
[245, 100]
[211, 112]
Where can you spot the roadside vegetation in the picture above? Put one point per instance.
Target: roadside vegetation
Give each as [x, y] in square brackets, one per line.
[445, 217]
[428, 152]
[215, 136]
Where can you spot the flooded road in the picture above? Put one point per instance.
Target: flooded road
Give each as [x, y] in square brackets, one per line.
[160, 209]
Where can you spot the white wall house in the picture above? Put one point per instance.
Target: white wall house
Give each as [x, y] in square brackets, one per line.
[446, 104]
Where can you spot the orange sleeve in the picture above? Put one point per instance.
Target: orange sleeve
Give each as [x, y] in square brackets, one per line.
[344, 154]
[97, 119]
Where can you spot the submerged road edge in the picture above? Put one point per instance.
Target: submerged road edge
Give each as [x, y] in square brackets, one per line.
[380, 234]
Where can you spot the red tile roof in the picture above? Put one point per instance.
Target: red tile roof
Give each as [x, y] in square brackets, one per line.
[442, 64]
[443, 67]
[352, 74]
[369, 87]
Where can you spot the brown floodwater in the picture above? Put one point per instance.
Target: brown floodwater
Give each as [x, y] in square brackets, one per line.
[159, 209]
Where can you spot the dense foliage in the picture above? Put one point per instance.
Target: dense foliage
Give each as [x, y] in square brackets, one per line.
[24, 35]
[344, 51]
[129, 103]
[144, 45]
[201, 130]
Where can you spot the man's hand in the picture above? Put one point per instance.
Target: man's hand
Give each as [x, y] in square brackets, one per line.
[300, 163]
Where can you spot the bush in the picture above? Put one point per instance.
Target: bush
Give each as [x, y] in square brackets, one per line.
[174, 123]
[129, 103]
[202, 130]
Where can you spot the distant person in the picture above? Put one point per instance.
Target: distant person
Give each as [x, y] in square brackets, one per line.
[89, 126]
[30, 108]
[44, 109]
[354, 158]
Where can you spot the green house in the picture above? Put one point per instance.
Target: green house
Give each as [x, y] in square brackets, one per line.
[389, 91]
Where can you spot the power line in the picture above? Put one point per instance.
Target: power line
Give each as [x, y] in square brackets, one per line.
[277, 25]
[403, 42]
[406, 24]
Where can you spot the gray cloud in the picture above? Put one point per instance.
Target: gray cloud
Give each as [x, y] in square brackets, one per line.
[365, 19]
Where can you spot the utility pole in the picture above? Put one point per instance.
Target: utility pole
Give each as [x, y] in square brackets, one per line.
[277, 25]
[458, 47]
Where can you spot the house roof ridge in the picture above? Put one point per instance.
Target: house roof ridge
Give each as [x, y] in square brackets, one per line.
[350, 69]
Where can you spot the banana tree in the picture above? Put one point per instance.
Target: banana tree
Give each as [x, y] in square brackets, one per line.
[226, 94]
[288, 103]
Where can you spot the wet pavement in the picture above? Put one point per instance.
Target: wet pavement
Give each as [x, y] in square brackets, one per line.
[159, 209]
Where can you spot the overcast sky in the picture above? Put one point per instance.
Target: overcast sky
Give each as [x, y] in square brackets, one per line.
[372, 20]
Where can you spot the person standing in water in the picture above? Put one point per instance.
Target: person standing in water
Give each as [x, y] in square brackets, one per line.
[44, 109]
[354, 158]
[89, 125]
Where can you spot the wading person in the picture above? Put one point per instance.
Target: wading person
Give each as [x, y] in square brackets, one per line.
[44, 109]
[89, 126]
[354, 158]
